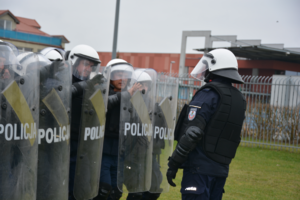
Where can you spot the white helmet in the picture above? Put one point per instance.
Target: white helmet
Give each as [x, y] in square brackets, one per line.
[141, 75]
[83, 52]
[30, 60]
[220, 62]
[13, 47]
[120, 65]
[53, 53]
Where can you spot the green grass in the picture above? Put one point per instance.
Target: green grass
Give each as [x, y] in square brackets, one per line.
[256, 173]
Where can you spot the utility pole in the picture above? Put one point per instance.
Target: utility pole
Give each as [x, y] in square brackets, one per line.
[114, 51]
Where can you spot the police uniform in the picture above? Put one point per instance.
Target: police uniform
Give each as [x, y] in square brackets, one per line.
[199, 170]
[75, 56]
[75, 122]
[211, 129]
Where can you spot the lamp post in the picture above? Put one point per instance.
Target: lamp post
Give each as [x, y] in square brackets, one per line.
[171, 66]
[114, 51]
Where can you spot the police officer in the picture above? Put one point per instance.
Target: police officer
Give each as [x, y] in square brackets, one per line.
[19, 151]
[137, 175]
[210, 133]
[83, 59]
[121, 72]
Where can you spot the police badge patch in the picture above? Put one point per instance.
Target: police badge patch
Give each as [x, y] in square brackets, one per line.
[192, 114]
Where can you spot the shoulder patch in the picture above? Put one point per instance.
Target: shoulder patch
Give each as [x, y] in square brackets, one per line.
[192, 113]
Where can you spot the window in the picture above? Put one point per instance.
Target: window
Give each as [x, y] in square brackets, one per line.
[5, 24]
[24, 49]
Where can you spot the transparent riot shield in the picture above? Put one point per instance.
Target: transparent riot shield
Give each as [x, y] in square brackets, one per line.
[18, 127]
[54, 129]
[163, 131]
[91, 137]
[135, 139]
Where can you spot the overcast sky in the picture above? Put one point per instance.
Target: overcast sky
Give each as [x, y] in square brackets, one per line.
[157, 25]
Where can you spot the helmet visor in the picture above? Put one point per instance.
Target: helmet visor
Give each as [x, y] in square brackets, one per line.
[200, 70]
[83, 68]
[121, 71]
[7, 55]
[8, 60]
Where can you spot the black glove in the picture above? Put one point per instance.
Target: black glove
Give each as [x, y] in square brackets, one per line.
[78, 87]
[97, 79]
[50, 70]
[171, 173]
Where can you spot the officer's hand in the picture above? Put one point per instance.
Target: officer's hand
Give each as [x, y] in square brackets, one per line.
[98, 79]
[171, 174]
[134, 88]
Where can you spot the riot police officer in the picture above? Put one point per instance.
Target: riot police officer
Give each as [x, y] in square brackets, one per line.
[121, 72]
[54, 102]
[19, 115]
[137, 161]
[210, 132]
[83, 59]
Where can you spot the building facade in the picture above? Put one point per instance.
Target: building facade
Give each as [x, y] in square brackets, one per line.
[161, 62]
[26, 33]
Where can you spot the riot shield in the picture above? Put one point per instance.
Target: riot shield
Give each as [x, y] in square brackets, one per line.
[135, 139]
[54, 129]
[163, 131]
[18, 127]
[91, 136]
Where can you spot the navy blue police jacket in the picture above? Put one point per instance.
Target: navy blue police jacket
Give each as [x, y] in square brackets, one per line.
[197, 160]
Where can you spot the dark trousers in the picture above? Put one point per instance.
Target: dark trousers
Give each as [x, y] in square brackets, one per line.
[109, 168]
[195, 186]
[73, 157]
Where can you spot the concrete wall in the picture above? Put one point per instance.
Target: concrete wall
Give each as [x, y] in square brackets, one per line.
[161, 63]
[158, 61]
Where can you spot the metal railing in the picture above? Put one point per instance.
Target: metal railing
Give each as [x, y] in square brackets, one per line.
[273, 109]
[30, 37]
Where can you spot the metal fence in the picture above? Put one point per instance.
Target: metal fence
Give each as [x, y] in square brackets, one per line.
[273, 109]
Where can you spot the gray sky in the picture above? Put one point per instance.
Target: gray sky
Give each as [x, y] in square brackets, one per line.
[157, 25]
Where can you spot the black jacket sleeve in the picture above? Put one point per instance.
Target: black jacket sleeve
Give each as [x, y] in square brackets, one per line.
[115, 99]
[193, 134]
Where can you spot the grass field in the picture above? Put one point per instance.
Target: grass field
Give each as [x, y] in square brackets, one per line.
[256, 173]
